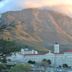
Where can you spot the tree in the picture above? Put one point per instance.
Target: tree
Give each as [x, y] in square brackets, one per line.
[46, 62]
[65, 66]
[2, 67]
[31, 62]
[21, 68]
[60, 66]
[6, 48]
[49, 62]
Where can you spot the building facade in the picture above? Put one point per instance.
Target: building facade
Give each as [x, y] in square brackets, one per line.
[56, 58]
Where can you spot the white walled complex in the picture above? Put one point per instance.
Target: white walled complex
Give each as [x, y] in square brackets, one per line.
[56, 58]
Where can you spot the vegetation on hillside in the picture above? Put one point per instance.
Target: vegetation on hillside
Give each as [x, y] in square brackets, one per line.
[6, 48]
[21, 68]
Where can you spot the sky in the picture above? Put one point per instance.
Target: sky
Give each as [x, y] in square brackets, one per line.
[9, 5]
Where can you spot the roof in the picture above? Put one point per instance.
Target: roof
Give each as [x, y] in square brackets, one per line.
[68, 51]
[33, 54]
[58, 53]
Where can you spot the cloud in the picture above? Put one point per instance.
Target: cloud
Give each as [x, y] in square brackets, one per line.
[7, 5]
[41, 3]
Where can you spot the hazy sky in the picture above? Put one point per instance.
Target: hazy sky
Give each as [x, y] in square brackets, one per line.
[7, 5]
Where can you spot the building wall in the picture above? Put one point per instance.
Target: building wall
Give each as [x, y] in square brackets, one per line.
[63, 59]
[39, 58]
[68, 58]
[56, 59]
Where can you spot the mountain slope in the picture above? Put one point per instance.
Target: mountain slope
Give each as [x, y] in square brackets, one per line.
[36, 26]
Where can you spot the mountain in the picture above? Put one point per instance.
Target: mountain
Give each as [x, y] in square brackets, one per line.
[39, 27]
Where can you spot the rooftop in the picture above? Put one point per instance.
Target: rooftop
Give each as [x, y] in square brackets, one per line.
[68, 51]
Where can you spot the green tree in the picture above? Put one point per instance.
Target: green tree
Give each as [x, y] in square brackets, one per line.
[6, 48]
[49, 62]
[2, 67]
[45, 63]
[31, 62]
[21, 68]
[65, 66]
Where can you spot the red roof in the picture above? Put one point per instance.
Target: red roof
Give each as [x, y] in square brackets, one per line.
[68, 51]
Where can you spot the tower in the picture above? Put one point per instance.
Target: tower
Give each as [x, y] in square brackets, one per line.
[56, 48]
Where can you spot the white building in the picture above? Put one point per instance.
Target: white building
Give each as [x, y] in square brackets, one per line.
[27, 51]
[56, 58]
[18, 57]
